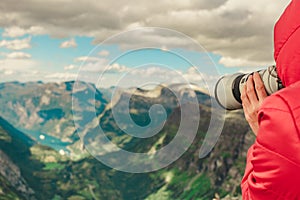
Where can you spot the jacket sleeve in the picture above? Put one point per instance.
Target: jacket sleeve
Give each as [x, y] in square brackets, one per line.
[272, 171]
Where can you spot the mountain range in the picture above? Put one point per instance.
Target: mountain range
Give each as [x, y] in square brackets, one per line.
[42, 156]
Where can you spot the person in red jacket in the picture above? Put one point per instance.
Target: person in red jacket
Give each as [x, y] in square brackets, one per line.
[273, 161]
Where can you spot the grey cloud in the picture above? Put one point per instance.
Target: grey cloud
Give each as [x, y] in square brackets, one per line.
[152, 38]
[226, 27]
[205, 4]
[58, 17]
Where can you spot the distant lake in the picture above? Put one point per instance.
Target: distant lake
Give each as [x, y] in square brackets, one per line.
[47, 140]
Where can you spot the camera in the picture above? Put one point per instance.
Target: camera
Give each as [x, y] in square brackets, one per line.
[228, 88]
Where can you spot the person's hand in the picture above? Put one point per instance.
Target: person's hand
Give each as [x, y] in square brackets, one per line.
[253, 94]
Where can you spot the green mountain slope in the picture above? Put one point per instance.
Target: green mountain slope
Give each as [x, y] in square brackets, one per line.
[189, 177]
[14, 152]
[41, 172]
[44, 111]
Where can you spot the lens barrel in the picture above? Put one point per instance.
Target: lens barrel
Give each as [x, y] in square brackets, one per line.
[228, 88]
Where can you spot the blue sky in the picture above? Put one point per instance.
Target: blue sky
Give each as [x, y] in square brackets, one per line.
[52, 62]
[38, 42]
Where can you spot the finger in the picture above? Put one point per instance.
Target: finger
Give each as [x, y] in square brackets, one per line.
[245, 102]
[259, 87]
[251, 91]
[244, 96]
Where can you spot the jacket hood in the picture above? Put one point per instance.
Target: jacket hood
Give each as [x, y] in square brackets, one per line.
[287, 44]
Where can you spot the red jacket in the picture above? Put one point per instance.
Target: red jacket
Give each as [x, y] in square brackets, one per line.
[273, 161]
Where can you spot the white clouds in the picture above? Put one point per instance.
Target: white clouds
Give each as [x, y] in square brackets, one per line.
[103, 67]
[98, 65]
[69, 44]
[9, 67]
[235, 29]
[116, 68]
[18, 55]
[8, 72]
[17, 44]
[70, 67]
[116, 74]
[145, 75]
[154, 72]
[15, 31]
[92, 64]
[229, 62]
[165, 75]
[89, 59]
[62, 76]
[192, 75]
[16, 65]
[104, 53]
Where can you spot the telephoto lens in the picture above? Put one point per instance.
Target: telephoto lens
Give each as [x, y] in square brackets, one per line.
[228, 88]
